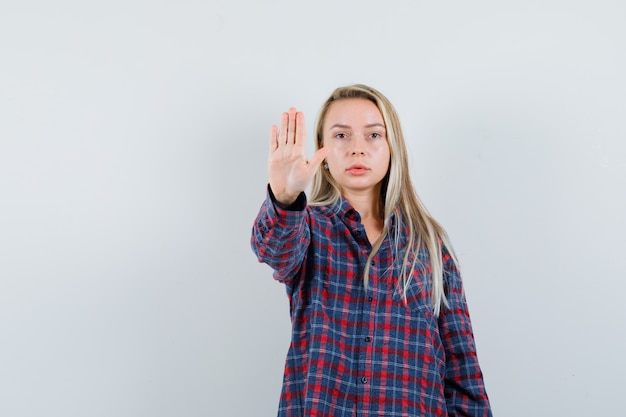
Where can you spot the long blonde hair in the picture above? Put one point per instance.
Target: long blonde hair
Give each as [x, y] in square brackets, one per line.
[397, 196]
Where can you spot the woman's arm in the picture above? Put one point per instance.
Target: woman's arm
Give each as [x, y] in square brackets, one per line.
[464, 386]
[281, 236]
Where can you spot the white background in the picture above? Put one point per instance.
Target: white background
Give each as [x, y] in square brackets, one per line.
[133, 162]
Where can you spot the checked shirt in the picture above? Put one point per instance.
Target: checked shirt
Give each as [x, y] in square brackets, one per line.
[359, 351]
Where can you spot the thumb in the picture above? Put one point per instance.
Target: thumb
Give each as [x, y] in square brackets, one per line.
[317, 158]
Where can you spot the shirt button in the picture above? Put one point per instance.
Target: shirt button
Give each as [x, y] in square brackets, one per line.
[373, 263]
[368, 339]
[364, 380]
[357, 233]
[370, 298]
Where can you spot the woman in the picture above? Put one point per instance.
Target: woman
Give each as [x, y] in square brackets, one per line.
[380, 325]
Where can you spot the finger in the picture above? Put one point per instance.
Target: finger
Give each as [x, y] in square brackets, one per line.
[300, 129]
[291, 128]
[282, 133]
[273, 138]
[317, 158]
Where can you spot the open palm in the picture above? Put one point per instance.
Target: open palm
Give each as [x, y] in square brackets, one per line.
[290, 172]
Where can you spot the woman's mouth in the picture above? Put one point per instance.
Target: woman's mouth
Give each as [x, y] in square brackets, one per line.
[357, 169]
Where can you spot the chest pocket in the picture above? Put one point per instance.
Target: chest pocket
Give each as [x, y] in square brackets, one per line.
[417, 296]
[415, 315]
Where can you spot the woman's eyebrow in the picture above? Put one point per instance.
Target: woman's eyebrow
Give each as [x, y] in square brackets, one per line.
[339, 126]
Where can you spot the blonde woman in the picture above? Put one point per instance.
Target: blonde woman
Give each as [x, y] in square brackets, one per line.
[380, 325]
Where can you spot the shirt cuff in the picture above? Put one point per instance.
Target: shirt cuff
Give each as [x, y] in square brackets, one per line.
[297, 205]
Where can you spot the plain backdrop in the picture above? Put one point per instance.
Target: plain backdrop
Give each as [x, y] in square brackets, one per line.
[133, 145]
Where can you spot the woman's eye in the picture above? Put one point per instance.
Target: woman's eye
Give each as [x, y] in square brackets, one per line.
[375, 135]
[340, 136]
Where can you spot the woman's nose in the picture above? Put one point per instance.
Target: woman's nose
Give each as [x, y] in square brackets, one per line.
[358, 147]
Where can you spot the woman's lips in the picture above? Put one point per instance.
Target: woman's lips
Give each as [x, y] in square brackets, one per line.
[357, 169]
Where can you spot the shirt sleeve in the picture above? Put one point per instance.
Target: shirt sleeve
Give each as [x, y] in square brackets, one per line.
[281, 236]
[464, 385]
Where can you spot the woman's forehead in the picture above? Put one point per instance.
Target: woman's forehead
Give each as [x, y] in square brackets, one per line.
[353, 112]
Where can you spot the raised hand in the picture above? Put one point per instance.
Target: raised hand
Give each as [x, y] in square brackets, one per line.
[290, 172]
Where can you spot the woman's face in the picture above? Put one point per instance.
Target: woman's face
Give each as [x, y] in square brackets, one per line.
[358, 152]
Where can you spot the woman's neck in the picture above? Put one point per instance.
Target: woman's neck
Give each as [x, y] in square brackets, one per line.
[367, 204]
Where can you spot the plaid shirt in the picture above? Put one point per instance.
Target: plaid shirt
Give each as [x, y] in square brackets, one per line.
[359, 351]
